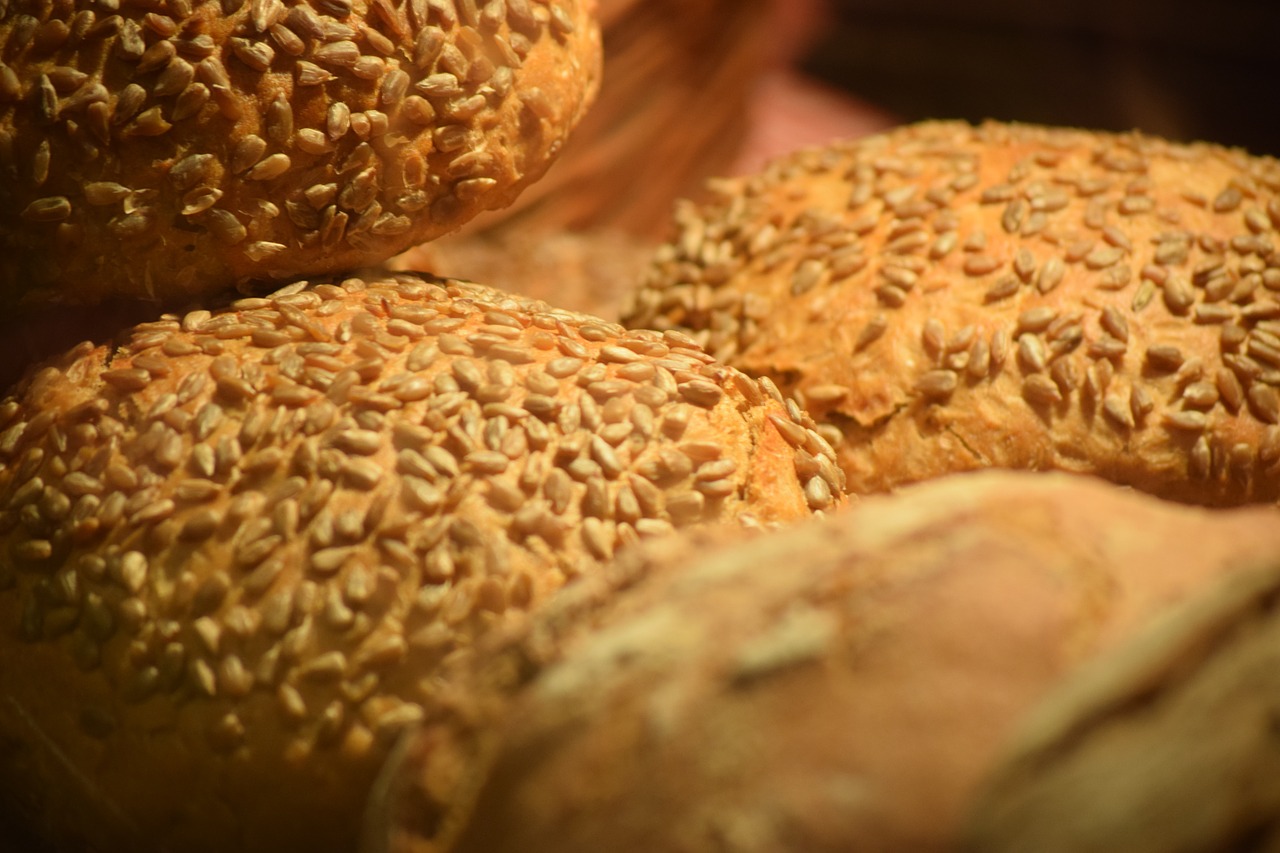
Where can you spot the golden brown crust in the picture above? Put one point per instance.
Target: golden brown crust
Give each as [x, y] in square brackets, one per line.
[181, 148]
[235, 549]
[838, 685]
[1117, 757]
[945, 297]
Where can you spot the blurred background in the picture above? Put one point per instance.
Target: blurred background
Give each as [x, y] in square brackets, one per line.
[1185, 69]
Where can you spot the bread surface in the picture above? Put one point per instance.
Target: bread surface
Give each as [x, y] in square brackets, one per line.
[236, 548]
[1118, 756]
[179, 148]
[842, 684]
[947, 297]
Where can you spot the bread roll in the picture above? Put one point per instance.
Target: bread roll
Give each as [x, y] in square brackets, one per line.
[234, 549]
[947, 297]
[176, 148]
[1167, 744]
[838, 685]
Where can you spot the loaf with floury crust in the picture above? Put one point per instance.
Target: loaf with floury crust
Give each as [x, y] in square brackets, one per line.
[1169, 743]
[842, 684]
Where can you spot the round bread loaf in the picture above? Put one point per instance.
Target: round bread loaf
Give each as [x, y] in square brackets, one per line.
[175, 148]
[947, 297]
[837, 685]
[1167, 744]
[235, 549]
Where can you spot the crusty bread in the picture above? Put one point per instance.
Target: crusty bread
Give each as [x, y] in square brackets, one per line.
[234, 549]
[946, 297]
[1167, 744]
[177, 148]
[842, 684]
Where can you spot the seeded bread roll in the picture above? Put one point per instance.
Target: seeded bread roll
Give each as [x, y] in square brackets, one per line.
[834, 686]
[176, 148]
[1167, 744]
[945, 298]
[235, 549]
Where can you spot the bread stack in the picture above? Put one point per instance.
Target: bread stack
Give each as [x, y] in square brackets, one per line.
[319, 555]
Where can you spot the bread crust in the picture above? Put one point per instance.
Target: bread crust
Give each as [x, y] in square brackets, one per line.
[181, 149]
[1117, 756]
[236, 548]
[842, 684]
[946, 297]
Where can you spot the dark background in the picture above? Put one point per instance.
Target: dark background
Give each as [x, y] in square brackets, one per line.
[1184, 69]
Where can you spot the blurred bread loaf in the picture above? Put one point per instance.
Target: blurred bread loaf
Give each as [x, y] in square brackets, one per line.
[842, 684]
[652, 134]
[649, 139]
[1167, 744]
[587, 271]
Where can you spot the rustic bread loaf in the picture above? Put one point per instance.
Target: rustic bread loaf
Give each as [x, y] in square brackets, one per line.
[176, 148]
[838, 685]
[1169, 743]
[651, 137]
[234, 549]
[947, 297]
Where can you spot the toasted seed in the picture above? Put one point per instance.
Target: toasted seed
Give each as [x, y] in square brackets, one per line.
[1165, 357]
[269, 168]
[1050, 275]
[1187, 420]
[937, 384]
[51, 209]
[1264, 402]
[1179, 295]
[258, 55]
[978, 265]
